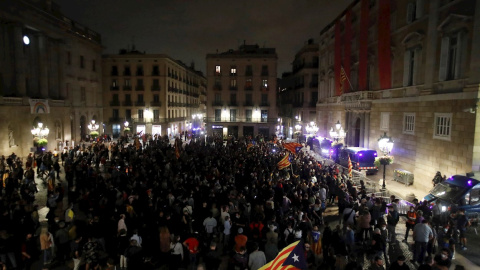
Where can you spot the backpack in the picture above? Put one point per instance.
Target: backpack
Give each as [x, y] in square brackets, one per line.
[290, 237]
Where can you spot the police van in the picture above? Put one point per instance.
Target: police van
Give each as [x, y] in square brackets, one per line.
[362, 159]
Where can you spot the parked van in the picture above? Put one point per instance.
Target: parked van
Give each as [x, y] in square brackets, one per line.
[458, 191]
[363, 159]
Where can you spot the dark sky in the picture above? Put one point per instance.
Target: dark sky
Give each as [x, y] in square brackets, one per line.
[188, 30]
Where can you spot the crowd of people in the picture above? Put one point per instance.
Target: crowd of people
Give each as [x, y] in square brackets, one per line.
[198, 205]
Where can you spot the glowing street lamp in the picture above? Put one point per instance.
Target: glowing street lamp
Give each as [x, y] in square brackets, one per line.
[338, 133]
[385, 144]
[312, 129]
[93, 127]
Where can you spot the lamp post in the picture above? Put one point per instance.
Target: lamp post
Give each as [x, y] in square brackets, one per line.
[338, 133]
[93, 127]
[385, 144]
[126, 127]
[312, 129]
[40, 132]
[298, 127]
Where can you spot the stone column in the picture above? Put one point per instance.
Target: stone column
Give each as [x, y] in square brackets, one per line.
[431, 47]
[20, 65]
[473, 82]
[62, 88]
[366, 135]
[43, 65]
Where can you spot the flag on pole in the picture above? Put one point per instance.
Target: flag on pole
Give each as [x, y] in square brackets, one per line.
[349, 167]
[291, 257]
[284, 162]
[292, 147]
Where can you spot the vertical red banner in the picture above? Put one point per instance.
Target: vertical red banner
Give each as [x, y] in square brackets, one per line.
[338, 58]
[363, 47]
[347, 54]
[384, 56]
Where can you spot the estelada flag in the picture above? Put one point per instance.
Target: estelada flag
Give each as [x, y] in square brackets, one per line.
[291, 257]
[249, 146]
[292, 147]
[284, 162]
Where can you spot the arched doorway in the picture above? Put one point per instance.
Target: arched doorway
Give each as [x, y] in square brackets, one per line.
[83, 127]
[356, 139]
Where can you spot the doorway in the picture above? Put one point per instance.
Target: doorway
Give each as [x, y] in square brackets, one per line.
[356, 139]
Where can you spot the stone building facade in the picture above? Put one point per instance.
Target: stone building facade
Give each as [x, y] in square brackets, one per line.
[413, 68]
[154, 93]
[50, 72]
[241, 92]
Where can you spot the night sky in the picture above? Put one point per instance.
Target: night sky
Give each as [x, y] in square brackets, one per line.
[188, 30]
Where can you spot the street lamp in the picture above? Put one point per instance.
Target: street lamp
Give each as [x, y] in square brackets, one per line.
[312, 129]
[385, 144]
[338, 133]
[40, 133]
[93, 127]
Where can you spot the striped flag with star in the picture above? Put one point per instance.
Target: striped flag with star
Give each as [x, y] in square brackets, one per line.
[292, 147]
[284, 162]
[291, 257]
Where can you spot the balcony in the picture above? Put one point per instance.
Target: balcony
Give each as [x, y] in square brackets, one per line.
[233, 103]
[114, 119]
[114, 73]
[233, 88]
[139, 73]
[264, 88]
[127, 88]
[248, 103]
[114, 103]
[313, 84]
[155, 73]
[248, 88]
[155, 103]
[265, 104]
[264, 73]
[127, 73]
[217, 103]
[140, 103]
[127, 103]
[155, 88]
[139, 88]
[114, 88]
[217, 87]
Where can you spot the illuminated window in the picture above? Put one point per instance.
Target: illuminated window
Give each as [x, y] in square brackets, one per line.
[233, 71]
[265, 83]
[218, 70]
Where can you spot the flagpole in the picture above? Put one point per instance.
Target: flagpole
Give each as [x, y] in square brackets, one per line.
[351, 87]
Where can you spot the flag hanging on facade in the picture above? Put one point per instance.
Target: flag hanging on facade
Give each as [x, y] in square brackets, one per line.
[284, 162]
[343, 78]
[292, 147]
[291, 257]
[350, 167]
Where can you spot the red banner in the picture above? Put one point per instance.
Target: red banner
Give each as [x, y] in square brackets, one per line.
[363, 47]
[384, 54]
[338, 59]
[347, 50]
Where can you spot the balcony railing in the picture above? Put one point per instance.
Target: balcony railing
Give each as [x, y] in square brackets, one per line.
[127, 103]
[217, 103]
[115, 103]
[265, 104]
[139, 88]
[243, 120]
[114, 88]
[127, 88]
[217, 87]
[140, 103]
[156, 103]
[155, 88]
[114, 119]
[233, 103]
[248, 88]
[264, 88]
[233, 88]
[248, 103]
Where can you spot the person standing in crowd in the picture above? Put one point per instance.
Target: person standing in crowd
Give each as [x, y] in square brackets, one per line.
[462, 224]
[411, 218]
[422, 233]
[192, 245]
[176, 251]
[256, 259]
[392, 221]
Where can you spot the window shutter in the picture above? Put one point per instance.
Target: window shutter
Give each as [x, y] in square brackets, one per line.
[410, 10]
[461, 46]
[442, 76]
[406, 67]
[416, 64]
[420, 8]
